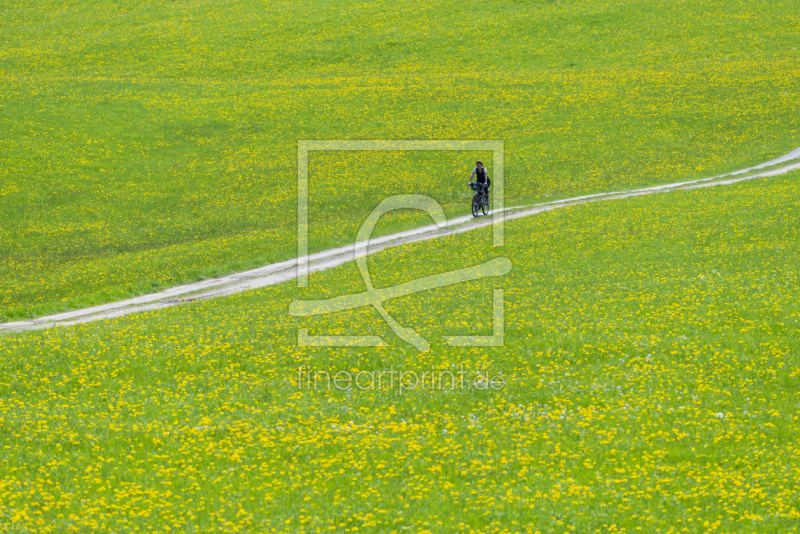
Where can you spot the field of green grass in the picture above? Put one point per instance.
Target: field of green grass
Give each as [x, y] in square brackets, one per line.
[148, 144]
[649, 382]
[649, 375]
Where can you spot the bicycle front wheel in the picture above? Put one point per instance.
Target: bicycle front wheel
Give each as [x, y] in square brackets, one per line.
[475, 205]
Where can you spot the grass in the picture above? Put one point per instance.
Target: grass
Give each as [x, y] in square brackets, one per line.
[650, 367]
[145, 145]
[649, 370]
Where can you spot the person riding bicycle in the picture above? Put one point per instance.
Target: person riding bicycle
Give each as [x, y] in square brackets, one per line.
[482, 177]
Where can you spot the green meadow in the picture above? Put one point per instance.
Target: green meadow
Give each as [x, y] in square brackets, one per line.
[149, 144]
[648, 382]
[648, 378]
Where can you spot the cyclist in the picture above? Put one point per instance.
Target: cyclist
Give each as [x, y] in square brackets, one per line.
[482, 177]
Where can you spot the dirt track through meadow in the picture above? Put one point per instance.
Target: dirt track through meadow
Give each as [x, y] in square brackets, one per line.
[287, 270]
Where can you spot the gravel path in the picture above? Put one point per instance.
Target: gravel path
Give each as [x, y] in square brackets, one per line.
[287, 270]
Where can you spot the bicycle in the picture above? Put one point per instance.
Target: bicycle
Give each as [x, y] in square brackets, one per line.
[480, 202]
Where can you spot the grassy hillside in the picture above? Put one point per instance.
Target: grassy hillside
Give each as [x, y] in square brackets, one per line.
[650, 375]
[147, 144]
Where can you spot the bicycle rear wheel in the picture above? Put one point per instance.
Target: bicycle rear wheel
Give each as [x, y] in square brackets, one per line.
[485, 204]
[475, 205]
